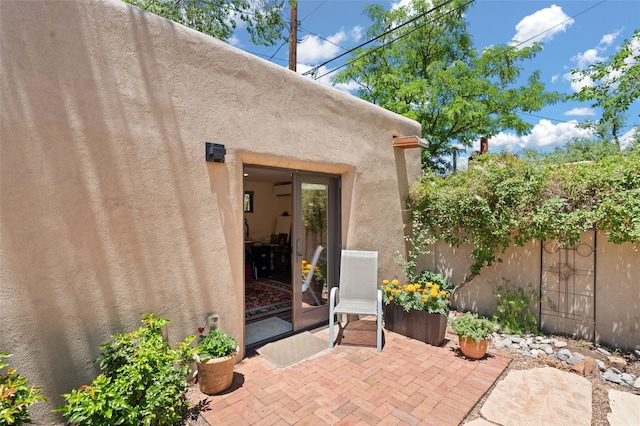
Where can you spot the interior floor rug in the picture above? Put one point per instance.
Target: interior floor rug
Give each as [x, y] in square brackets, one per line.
[265, 298]
[265, 329]
[293, 349]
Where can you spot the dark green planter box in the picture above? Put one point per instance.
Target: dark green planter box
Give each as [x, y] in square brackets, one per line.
[419, 325]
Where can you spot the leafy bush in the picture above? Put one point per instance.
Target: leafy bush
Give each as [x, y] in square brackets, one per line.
[502, 201]
[15, 395]
[216, 344]
[513, 313]
[142, 381]
[471, 326]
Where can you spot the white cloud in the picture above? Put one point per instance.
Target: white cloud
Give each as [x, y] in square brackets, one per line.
[356, 33]
[581, 112]
[399, 4]
[577, 83]
[544, 135]
[608, 39]
[314, 49]
[541, 26]
[590, 56]
[554, 78]
[235, 41]
[627, 138]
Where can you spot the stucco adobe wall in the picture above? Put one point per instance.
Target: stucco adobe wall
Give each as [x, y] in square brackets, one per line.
[107, 206]
[617, 300]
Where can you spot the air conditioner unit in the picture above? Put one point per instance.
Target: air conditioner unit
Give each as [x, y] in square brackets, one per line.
[282, 189]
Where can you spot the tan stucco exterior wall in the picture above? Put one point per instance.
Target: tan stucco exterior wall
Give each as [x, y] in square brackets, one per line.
[617, 287]
[108, 208]
[617, 294]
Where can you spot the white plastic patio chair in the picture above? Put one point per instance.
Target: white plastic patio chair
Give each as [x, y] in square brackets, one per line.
[307, 281]
[358, 292]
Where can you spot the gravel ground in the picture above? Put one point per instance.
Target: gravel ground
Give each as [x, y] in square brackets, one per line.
[599, 388]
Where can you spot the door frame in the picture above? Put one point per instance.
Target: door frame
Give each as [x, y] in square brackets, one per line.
[306, 318]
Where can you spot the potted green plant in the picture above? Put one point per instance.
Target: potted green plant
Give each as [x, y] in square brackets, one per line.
[473, 334]
[215, 356]
[418, 311]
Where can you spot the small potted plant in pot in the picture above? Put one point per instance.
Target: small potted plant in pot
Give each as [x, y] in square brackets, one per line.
[473, 334]
[215, 357]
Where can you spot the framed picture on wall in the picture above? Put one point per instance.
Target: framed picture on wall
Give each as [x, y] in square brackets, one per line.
[248, 201]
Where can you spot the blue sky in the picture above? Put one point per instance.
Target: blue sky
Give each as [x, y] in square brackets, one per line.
[575, 33]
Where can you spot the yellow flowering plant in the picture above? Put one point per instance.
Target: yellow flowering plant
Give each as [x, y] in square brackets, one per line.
[430, 297]
[317, 273]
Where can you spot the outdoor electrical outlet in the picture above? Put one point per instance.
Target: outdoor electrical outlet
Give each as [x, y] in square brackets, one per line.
[213, 321]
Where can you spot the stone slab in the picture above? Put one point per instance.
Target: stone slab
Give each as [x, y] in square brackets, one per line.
[625, 408]
[525, 397]
[479, 422]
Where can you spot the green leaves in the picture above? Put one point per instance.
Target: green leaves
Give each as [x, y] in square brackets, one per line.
[512, 310]
[220, 18]
[471, 326]
[429, 71]
[501, 201]
[615, 86]
[15, 395]
[216, 344]
[142, 381]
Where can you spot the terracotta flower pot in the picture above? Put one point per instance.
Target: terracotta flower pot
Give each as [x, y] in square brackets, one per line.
[473, 349]
[216, 375]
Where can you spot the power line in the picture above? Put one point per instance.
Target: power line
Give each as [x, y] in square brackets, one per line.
[317, 67]
[379, 47]
[322, 38]
[307, 15]
[545, 118]
[262, 55]
[557, 25]
[391, 41]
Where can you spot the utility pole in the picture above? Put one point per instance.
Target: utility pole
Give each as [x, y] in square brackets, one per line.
[293, 35]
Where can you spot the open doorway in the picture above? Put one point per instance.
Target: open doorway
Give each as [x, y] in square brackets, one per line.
[287, 216]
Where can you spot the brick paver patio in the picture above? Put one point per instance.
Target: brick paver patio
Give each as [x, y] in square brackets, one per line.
[409, 382]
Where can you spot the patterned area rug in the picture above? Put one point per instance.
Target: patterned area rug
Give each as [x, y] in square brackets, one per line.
[265, 297]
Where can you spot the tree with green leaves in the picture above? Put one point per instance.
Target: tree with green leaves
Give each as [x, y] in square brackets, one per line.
[428, 70]
[219, 18]
[612, 85]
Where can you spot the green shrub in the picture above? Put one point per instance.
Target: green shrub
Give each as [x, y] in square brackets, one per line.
[513, 313]
[142, 381]
[216, 344]
[471, 326]
[500, 202]
[15, 395]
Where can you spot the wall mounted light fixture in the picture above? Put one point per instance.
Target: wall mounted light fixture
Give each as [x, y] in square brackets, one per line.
[214, 152]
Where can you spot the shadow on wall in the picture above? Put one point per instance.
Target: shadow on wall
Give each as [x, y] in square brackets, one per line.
[520, 266]
[97, 218]
[617, 295]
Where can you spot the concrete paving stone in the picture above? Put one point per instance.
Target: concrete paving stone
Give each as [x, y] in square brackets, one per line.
[625, 408]
[526, 396]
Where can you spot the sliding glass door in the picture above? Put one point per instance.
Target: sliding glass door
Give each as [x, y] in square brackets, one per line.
[316, 214]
